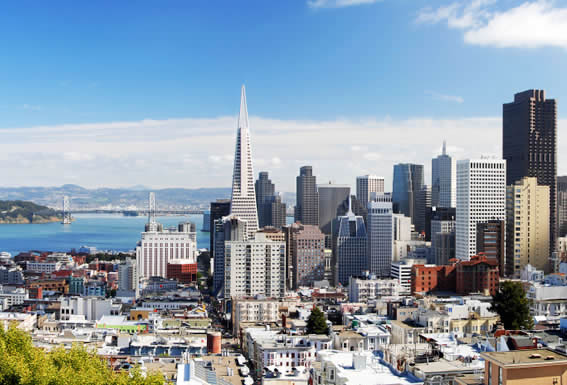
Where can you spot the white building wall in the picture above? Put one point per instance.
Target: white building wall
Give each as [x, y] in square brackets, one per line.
[481, 196]
[157, 248]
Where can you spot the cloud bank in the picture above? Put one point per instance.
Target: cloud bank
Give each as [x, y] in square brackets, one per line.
[531, 24]
[199, 152]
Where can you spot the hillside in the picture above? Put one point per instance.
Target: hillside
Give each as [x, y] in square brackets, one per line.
[26, 212]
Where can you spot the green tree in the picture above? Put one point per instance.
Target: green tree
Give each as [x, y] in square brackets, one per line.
[512, 305]
[316, 323]
[23, 364]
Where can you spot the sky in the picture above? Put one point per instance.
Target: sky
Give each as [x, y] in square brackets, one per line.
[124, 93]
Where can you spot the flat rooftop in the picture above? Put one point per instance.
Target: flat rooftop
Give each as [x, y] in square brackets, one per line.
[526, 357]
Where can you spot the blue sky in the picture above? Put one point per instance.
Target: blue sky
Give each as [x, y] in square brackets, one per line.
[80, 78]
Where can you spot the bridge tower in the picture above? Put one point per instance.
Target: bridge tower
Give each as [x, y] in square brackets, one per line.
[152, 223]
[67, 219]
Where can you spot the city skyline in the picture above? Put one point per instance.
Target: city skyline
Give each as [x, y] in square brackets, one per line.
[163, 112]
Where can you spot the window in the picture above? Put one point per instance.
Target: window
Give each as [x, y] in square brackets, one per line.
[500, 376]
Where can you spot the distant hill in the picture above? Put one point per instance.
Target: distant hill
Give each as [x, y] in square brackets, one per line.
[26, 212]
[83, 198]
[135, 196]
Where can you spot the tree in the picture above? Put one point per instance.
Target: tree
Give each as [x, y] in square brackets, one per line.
[511, 304]
[316, 323]
[24, 364]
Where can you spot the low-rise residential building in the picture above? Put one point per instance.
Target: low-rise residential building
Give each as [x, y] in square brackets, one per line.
[11, 276]
[354, 368]
[370, 288]
[265, 348]
[406, 332]
[92, 308]
[13, 295]
[43, 267]
[546, 300]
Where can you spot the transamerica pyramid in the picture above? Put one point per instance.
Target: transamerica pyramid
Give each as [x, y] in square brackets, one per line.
[243, 202]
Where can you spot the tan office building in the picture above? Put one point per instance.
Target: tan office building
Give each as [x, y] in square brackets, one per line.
[527, 226]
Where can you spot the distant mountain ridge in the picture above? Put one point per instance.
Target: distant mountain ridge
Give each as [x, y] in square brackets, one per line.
[135, 196]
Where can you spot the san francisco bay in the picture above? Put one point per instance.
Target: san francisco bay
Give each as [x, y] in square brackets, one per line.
[103, 231]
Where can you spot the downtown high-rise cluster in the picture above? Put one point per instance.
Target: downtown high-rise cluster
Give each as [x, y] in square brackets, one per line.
[505, 210]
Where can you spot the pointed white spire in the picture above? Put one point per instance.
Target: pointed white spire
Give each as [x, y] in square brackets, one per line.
[444, 147]
[350, 213]
[243, 203]
[243, 116]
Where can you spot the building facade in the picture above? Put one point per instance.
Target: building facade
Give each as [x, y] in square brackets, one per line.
[265, 191]
[243, 198]
[331, 199]
[307, 254]
[254, 267]
[481, 197]
[408, 182]
[351, 247]
[307, 205]
[491, 242]
[366, 186]
[158, 247]
[380, 233]
[529, 145]
[442, 234]
[229, 228]
[443, 180]
[527, 226]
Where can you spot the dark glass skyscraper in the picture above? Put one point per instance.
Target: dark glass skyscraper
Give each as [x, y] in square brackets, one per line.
[529, 144]
[408, 182]
[331, 198]
[307, 206]
[265, 190]
[219, 209]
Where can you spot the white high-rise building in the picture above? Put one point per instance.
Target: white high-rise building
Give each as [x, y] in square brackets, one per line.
[158, 247]
[402, 227]
[380, 233]
[367, 186]
[443, 180]
[481, 197]
[254, 267]
[243, 201]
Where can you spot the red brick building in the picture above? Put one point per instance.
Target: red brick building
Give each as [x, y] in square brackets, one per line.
[181, 271]
[428, 278]
[461, 277]
[477, 275]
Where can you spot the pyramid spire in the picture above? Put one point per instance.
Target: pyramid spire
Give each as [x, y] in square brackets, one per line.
[243, 202]
[243, 116]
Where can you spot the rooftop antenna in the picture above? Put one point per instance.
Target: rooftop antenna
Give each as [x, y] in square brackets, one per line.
[444, 147]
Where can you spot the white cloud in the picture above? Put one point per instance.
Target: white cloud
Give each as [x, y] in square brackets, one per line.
[372, 156]
[199, 152]
[337, 3]
[445, 97]
[531, 24]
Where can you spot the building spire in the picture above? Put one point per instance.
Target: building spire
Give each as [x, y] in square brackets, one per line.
[350, 213]
[243, 116]
[243, 202]
[444, 147]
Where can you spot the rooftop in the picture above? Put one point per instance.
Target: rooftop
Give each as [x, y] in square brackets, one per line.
[530, 357]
